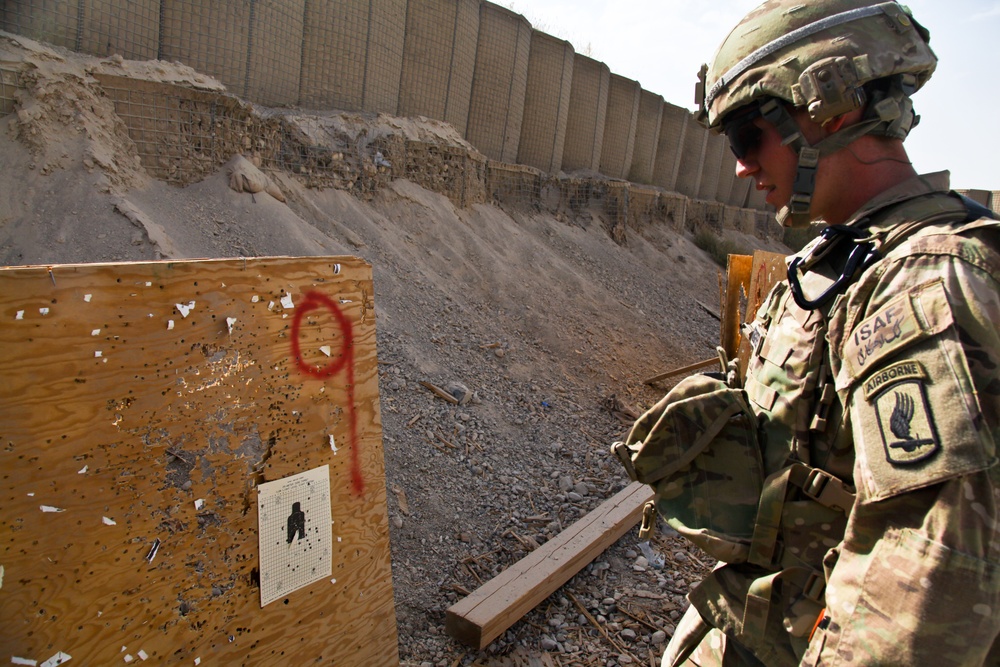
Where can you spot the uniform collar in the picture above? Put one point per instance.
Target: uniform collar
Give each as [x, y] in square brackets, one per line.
[924, 184]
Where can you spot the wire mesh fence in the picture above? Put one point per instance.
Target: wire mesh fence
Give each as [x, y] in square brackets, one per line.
[10, 82]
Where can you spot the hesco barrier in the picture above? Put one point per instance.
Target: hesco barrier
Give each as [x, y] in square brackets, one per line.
[708, 188]
[689, 171]
[756, 199]
[352, 54]
[10, 82]
[588, 107]
[546, 103]
[647, 138]
[439, 60]
[670, 148]
[517, 94]
[741, 190]
[98, 27]
[254, 48]
[620, 126]
[500, 82]
[727, 175]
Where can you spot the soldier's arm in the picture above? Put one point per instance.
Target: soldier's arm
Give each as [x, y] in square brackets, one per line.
[917, 578]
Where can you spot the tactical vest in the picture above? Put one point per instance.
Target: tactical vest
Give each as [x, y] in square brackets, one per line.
[696, 457]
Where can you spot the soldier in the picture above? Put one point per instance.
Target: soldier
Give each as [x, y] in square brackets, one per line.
[872, 392]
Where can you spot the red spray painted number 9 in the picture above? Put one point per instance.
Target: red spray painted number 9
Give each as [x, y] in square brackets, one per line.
[343, 361]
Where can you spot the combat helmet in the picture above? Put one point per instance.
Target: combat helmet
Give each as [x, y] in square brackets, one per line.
[828, 57]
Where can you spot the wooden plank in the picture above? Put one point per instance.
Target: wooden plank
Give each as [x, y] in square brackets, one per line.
[681, 371]
[146, 402]
[487, 612]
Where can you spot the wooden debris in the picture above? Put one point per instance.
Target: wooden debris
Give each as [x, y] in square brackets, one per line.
[623, 411]
[593, 621]
[401, 497]
[681, 371]
[440, 393]
[711, 311]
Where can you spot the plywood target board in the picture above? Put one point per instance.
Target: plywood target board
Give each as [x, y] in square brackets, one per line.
[146, 410]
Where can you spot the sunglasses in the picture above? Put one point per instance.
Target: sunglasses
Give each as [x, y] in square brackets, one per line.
[743, 135]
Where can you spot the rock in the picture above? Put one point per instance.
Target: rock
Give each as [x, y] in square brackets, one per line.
[565, 483]
[397, 521]
[629, 634]
[459, 391]
[548, 644]
[659, 637]
[680, 557]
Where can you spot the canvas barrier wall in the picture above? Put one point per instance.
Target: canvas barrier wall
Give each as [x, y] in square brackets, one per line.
[546, 102]
[727, 175]
[669, 149]
[620, 126]
[98, 27]
[500, 82]
[254, 48]
[741, 191]
[757, 199]
[439, 60]
[588, 108]
[352, 54]
[689, 172]
[461, 61]
[708, 188]
[647, 138]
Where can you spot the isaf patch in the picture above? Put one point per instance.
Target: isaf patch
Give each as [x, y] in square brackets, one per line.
[905, 419]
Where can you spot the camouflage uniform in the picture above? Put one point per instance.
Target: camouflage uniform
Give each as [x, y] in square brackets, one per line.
[872, 386]
[894, 390]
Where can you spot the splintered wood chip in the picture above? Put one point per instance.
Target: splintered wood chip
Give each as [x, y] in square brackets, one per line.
[401, 496]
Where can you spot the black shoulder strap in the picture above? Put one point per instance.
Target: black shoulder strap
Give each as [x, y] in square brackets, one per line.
[975, 209]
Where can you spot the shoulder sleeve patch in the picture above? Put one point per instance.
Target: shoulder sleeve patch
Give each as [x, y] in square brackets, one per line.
[911, 401]
[907, 319]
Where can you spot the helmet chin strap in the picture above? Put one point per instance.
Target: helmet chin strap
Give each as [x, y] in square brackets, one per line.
[890, 114]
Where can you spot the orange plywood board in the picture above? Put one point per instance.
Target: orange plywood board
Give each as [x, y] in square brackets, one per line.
[141, 406]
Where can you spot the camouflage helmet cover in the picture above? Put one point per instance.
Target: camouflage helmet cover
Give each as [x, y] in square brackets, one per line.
[814, 55]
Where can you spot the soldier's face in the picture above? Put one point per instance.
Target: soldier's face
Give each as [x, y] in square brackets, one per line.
[771, 164]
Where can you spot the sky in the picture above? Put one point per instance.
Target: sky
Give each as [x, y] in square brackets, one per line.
[662, 44]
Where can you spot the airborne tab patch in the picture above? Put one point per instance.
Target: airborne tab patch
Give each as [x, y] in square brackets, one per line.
[904, 417]
[904, 370]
